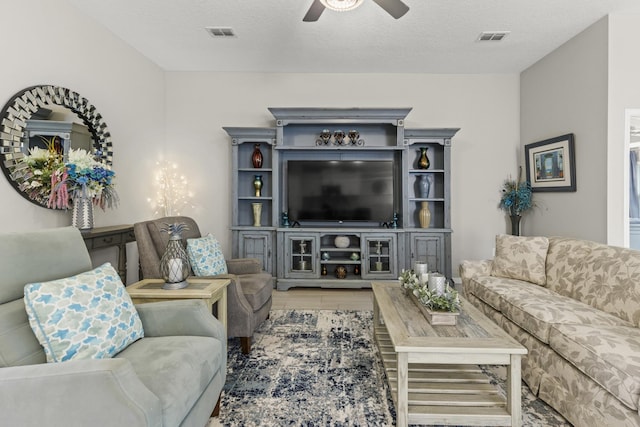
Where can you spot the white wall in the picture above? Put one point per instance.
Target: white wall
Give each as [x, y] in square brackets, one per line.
[624, 92]
[49, 42]
[566, 92]
[484, 152]
[135, 96]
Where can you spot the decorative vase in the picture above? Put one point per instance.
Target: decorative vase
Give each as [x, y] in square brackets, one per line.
[82, 215]
[342, 242]
[356, 270]
[423, 161]
[174, 264]
[515, 224]
[323, 272]
[378, 265]
[257, 213]
[341, 272]
[256, 157]
[257, 184]
[424, 215]
[424, 186]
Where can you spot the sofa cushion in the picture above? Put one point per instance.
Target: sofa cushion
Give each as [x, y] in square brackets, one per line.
[177, 369]
[609, 355]
[86, 316]
[205, 256]
[521, 258]
[536, 309]
[490, 289]
[605, 277]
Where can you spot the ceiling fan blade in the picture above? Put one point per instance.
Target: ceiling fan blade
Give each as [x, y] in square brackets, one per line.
[314, 12]
[395, 8]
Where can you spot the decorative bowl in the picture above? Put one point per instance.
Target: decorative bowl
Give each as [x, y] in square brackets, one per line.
[342, 242]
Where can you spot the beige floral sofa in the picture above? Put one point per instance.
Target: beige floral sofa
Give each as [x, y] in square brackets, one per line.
[575, 305]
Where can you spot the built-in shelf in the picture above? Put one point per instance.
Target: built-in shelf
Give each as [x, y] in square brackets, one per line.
[382, 251]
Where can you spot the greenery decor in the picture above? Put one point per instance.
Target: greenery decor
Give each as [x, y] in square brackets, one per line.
[516, 195]
[448, 301]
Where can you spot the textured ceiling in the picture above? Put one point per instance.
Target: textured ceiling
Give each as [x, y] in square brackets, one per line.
[435, 36]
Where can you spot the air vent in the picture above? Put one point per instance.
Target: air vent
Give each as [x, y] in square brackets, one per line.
[220, 32]
[492, 36]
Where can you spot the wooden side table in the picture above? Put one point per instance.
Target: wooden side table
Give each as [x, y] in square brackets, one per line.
[211, 291]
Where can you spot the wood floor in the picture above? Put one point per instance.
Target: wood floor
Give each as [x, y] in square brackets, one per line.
[323, 299]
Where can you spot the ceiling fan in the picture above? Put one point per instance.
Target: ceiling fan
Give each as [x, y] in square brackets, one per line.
[395, 8]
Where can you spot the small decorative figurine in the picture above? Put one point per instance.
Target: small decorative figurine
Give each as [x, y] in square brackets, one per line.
[285, 219]
[394, 221]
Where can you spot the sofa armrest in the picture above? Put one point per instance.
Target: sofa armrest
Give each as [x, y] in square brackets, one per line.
[77, 393]
[178, 318]
[469, 269]
[241, 266]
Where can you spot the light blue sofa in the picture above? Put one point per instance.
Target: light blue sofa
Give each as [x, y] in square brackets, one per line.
[171, 377]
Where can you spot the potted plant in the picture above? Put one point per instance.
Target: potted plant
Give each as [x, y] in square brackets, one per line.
[516, 199]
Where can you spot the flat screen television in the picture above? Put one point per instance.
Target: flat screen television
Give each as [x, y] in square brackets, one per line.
[340, 190]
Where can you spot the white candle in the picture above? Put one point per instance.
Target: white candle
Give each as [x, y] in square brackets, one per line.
[436, 283]
[175, 270]
[420, 267]
[424, 278]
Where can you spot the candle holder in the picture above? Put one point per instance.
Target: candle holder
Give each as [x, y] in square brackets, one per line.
[174, 264]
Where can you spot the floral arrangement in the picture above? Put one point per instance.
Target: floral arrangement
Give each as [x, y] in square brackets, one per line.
[447, 301]
[516, 196]
[55, 183]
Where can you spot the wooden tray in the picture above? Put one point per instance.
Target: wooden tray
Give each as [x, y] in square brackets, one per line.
[448, 318]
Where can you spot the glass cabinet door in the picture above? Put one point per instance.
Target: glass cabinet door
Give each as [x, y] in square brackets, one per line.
[301, 256]
[380, 261]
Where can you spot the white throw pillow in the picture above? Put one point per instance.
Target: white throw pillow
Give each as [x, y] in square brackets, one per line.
[205, 256]
[86, 316]
[522, 258]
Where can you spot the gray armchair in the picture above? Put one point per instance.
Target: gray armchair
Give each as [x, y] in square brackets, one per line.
[173, 376]
[248, 295]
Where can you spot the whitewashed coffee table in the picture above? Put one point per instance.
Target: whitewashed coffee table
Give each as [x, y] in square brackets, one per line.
[432, 370]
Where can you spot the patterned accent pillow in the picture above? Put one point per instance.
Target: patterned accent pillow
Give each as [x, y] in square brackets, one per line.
[205, 256]
[522, 258]
[86, 316]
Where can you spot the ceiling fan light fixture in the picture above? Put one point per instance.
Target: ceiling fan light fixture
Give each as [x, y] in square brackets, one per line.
[341, 5]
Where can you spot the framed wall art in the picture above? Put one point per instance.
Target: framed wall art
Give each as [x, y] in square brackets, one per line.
[551, 164]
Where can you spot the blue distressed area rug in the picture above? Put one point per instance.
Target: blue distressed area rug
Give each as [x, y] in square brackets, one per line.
[321, 368]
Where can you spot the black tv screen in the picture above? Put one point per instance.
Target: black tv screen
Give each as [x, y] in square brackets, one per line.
[340, 190]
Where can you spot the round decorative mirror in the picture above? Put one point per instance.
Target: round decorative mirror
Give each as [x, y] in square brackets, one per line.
[31, 118]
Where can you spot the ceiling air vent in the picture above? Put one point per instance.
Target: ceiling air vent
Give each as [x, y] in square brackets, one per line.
[492, 36]
[220, 32]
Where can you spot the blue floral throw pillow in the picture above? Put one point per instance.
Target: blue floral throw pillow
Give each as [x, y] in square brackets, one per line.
[86, 316]
[205, 256]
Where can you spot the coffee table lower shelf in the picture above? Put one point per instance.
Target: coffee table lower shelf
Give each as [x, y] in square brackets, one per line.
[448, 394]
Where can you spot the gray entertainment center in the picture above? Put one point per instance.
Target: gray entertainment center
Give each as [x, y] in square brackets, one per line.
[341, 197]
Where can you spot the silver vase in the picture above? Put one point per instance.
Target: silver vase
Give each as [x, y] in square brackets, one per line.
[82, 215]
